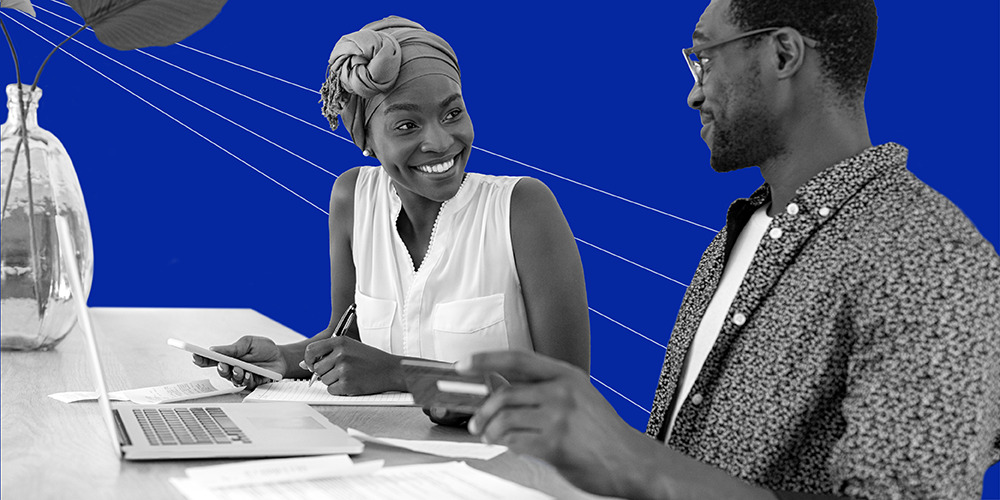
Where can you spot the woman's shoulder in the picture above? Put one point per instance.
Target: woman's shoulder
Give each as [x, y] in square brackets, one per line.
[519, 187]
[529, 193]
[346, 186]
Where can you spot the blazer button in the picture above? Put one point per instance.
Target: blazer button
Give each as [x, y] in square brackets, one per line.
[696, 399]
[739, 319]
[776, 233]
[792, 209]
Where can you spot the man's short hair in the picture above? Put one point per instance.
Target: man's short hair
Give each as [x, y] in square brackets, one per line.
[845, 29]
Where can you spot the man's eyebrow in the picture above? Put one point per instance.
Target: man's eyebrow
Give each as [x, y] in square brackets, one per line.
[401, 106]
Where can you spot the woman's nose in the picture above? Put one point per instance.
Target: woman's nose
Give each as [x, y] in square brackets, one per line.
[436, 139]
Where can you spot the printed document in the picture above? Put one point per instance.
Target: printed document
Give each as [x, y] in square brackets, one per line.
[442, 481]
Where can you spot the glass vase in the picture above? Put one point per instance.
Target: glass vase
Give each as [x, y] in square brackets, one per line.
[37, 182]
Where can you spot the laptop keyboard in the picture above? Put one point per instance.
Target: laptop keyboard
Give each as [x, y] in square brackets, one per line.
[179, 426]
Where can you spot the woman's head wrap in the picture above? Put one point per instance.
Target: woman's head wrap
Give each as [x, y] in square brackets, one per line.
[367, 65]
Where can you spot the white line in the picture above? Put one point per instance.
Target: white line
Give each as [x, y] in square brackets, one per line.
[567, 179]
[168, 115]
[620, 394]
[636, 264]
[609, 318]
[238, 65]
[213, 82]
[192, 101]
[553, 174]
[313, 125]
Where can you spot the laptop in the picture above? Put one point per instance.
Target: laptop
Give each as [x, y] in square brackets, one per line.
[197, 431]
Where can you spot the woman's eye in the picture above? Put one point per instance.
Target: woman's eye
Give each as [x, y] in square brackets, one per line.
[406, 126]
[453, 114]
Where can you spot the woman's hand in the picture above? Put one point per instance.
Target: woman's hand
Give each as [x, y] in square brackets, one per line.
[260, 351]
[349, 367]
[443, 416]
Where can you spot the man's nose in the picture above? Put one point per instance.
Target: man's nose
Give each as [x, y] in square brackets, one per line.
[696, 97]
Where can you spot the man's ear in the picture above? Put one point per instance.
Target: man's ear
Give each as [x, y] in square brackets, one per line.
[789, 52]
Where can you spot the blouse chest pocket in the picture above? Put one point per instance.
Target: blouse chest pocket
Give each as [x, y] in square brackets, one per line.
[465, 327]
[375, 320]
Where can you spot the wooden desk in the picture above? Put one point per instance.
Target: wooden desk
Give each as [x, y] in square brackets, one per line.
[57, 450]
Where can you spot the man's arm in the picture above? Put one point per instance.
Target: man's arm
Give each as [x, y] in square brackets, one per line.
[551, 411]
[922, 402]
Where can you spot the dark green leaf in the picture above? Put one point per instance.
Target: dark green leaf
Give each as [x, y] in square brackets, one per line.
[21, 5]
[133, 24]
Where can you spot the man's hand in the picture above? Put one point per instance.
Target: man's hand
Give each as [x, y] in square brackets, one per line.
[349, 367]
[551, 411]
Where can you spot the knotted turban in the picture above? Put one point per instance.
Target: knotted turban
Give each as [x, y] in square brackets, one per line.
[367, 65]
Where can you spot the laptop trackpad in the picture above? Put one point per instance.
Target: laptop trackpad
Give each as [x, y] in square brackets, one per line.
[291, 422]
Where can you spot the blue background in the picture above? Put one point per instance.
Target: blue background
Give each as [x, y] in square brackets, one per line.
[593, 95]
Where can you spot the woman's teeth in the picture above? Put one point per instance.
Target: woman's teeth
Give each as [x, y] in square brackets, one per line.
[437, 169]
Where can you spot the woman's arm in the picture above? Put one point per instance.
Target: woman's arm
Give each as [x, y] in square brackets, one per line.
[344, 364]
[551, 274]
[341, 268]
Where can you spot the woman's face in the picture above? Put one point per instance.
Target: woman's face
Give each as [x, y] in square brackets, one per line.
[422, 136]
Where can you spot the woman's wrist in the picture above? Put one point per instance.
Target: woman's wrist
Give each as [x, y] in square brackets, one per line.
[292, 354]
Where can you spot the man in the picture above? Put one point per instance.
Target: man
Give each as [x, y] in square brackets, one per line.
[841, 336]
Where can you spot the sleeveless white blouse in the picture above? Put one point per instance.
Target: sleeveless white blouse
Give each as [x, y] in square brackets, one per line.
[465, 297]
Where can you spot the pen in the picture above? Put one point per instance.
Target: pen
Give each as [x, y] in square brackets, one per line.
[342, 326]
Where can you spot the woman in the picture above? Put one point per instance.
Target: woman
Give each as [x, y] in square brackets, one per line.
[440, 263]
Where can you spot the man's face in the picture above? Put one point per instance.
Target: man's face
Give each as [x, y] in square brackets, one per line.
[737, 124]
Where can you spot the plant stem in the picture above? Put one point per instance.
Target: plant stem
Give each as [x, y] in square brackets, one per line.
[39, 74]
[10, 181]
[17, 67]
[36, 270]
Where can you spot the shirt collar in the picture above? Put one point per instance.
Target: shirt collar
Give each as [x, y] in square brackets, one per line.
[832, 187]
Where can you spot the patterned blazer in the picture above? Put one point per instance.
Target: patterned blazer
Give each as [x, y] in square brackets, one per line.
[861, 355]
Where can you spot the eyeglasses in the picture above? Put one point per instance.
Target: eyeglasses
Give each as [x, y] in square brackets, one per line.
[695, 65]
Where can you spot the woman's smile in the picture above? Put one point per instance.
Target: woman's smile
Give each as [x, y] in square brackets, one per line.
[437, 168]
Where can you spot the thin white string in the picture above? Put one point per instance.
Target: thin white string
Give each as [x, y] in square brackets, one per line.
[309, 202]
[636, 264]
[168, 115]
[213, 82]
[523, 164]
[192, 101]
[637, 405]
[310, 124]
[578, 183]
[609, 318]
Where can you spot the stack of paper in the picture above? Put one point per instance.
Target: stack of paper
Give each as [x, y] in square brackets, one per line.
[300, 391]
[337, 477]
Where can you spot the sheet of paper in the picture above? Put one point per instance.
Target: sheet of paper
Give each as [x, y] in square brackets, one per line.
[77, 396]
[448, 449]
[170, 393]
[299, 391]
[185, 391]
[278, 470]
[444, 481]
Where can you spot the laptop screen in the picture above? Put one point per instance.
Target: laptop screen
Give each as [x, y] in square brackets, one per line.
[68, 254]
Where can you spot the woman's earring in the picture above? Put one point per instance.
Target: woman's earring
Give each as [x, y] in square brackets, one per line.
[367, 152]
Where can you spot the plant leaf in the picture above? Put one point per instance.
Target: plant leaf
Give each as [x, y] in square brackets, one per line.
[133, 24]
[21, 5]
